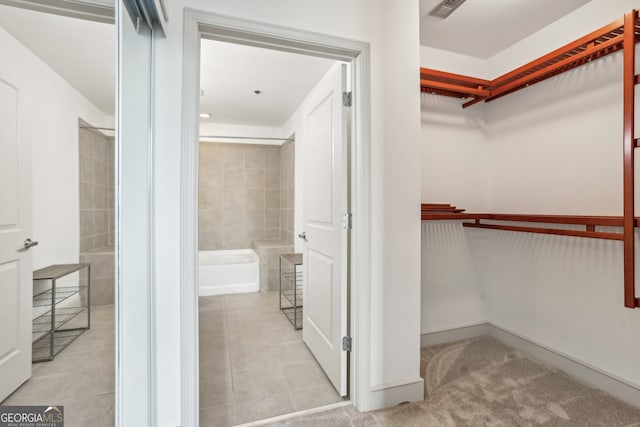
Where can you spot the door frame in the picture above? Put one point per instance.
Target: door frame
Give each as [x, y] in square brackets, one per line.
[83, 9]
[197, 25]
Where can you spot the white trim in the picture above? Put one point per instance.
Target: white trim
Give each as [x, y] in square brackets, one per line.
[292, 415]
[197, 23]
[85, 9]
[394, 393]
[360, 290]
[399, 383]
[583, 371]
[189, 224]
[454, 334]
[596, 377]
[135, 327]
[151, 244]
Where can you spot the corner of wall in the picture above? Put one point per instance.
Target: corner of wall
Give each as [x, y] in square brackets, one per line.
[457, 63]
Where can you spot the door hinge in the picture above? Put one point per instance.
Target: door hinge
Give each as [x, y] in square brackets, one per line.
[347, 99]
[346, 344]
[347, 221]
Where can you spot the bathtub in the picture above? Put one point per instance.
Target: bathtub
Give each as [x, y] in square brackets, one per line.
[228, 272]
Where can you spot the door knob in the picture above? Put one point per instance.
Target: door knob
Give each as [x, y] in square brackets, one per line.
[303, 236]
[28, 244]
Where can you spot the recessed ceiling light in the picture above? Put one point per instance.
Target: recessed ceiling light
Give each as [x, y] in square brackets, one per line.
[205, 115]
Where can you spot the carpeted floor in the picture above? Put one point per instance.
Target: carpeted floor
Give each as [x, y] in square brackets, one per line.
[481, 382]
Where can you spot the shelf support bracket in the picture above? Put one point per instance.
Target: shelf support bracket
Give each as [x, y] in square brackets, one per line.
[629, 144]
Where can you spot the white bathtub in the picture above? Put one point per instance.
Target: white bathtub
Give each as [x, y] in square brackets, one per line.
[228, 272]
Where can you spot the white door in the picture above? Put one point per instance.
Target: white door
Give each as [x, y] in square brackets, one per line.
[16, 285]
[325, 249]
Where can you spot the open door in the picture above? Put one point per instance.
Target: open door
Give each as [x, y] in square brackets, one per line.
[325, 249]
[16, 282]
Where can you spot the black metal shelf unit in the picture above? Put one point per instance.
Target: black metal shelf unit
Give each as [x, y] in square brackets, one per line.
[59, 311]
[291, 288]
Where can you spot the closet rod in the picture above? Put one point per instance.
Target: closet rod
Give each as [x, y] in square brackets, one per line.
[210, 136]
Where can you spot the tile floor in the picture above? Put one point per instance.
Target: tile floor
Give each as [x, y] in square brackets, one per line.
[253, 365]
[81, 377]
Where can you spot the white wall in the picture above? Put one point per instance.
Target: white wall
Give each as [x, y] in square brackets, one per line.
[392, 344]
[453, 153]
[556, 148]
[53, 108]
[452, 62]
[553, 148]
[454, 170]
[452, 296]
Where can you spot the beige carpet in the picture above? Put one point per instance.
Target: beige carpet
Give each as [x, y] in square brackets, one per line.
[481, 382]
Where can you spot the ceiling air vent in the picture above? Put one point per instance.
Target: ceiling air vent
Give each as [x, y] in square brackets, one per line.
[446, 8]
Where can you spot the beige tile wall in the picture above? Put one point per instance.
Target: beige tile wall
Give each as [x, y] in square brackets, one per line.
[96, 163]
[102, 275]
[287, 164]
[97, 220]
[238, 195]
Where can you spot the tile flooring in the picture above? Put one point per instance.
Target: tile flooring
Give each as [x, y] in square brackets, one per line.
[81, 377]
[253, 365]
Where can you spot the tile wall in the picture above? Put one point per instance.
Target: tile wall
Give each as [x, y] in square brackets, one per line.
[287, 168]
[269, 252]
[97, 219]
[96, 164]
[239, 195]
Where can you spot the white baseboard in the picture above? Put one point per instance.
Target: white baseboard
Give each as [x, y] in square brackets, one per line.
[453, 335]
[391, 394]
[581, 371]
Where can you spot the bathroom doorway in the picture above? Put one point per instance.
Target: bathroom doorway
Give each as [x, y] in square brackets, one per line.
[253, 191]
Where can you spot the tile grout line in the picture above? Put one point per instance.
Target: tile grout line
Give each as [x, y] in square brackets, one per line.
[227, 344]
[293, 401]
[229, 306]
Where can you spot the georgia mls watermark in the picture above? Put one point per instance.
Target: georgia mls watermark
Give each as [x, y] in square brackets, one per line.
[31, 416]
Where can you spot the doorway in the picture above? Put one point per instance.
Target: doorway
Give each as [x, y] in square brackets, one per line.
[201, 24]
[263, 126]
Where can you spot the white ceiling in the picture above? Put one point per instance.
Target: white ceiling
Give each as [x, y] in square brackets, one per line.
[83, 53]
[482, 28]
[80, 51]
[230, 73]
